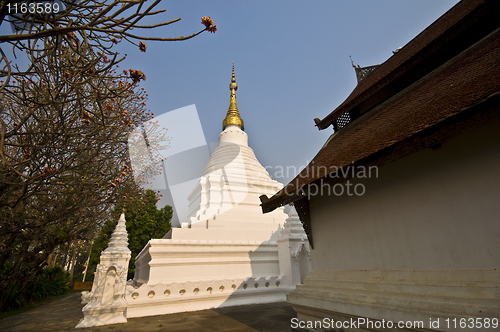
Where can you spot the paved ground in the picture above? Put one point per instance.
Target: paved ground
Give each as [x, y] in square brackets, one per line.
[64, 314]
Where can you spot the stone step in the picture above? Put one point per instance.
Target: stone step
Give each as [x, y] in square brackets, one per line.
[486, 290]
[448, 276]
[432, 304]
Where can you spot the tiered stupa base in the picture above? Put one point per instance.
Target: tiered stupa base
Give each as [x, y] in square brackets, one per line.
[204, 274]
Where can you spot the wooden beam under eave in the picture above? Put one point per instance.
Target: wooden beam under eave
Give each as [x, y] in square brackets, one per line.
[302, 208]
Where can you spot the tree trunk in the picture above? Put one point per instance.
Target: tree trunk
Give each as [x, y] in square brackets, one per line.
[72, 269]
[49, 260]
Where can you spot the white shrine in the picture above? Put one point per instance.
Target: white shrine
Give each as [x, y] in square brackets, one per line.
[228, 252]
[106, 302]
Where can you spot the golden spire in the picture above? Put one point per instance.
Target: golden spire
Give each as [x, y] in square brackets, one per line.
[233, 115]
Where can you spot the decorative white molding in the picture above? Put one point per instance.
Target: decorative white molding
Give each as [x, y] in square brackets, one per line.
[302, 245]
[292, 240]
[148, 300]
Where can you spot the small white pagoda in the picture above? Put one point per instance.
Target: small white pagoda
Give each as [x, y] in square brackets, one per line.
[227, 252]
[106, 303]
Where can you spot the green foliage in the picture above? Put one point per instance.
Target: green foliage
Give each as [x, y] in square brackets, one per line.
[47, 282]
[144, 222]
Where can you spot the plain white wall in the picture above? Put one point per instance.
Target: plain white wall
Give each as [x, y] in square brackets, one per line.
[435, 209]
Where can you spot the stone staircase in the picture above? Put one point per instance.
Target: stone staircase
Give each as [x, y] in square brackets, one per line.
[403, 295]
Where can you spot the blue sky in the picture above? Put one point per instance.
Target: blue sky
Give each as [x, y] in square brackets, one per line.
[291, 61]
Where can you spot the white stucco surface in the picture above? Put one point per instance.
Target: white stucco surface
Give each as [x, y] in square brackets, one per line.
[106, 303]
[435, 209]
[226, 253]
[421, 244]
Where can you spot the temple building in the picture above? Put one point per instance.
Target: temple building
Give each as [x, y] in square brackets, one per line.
[401, 204]
[227, 252]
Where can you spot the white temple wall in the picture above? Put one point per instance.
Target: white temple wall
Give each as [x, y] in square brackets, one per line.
[422, 244]
[435, 209]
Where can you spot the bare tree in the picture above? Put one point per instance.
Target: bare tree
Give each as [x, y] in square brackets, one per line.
[65, 119]
[96, 25]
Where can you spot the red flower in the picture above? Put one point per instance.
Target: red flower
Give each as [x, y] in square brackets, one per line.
[209, 24]
[207, 21]
[212, 29]
[137, 75]
[142, 46]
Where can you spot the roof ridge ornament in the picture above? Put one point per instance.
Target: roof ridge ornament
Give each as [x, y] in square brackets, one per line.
[363, 72]
[233, 115]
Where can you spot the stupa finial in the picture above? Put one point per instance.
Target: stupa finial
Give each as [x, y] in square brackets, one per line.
[233, 115]
[233, 79]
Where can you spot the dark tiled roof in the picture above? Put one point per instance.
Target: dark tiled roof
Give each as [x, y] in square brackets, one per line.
[470, 76]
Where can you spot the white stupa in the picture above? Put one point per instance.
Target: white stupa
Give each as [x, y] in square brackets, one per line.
[226, 253]
[224, 204]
